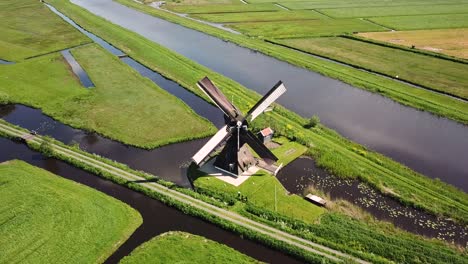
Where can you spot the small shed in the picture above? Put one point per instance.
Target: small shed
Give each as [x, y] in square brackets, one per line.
[316, 199]
[266, 134]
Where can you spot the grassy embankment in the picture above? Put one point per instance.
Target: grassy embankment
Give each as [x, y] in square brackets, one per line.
[418, 98]
[22, 38]
[331, 151]
[445, 41]
[124, 105]
[441, 75]
[181, 247]
[46, 218]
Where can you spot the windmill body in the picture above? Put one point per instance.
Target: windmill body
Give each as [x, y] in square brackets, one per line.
[235, 137]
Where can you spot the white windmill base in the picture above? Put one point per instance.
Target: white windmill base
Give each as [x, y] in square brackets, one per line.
[211, 170]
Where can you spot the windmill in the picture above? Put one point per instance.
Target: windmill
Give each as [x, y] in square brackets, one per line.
[235, 157]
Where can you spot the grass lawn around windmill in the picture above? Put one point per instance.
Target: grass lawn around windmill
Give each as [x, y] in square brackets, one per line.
[49, 219]
[181, 247]
[261, 190]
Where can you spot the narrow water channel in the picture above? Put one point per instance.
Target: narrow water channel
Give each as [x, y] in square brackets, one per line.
[434, 146]
[297, 176]
[157, 217]
[165, 162]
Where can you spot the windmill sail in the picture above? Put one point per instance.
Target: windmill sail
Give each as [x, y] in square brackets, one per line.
[259, 148]
[219, 98]
[267, 100]
[215, 141]
[235, 156]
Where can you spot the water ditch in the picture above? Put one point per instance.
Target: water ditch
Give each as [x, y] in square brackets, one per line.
[157, 217]
[302, 173]
[77, 69]
[434, 146]
[6, 62]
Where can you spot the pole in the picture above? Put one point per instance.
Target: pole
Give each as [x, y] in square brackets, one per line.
[276, 209]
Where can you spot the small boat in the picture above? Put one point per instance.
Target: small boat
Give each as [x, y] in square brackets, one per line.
[316, 199]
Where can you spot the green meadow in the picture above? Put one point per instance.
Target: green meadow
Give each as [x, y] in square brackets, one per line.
[423, 22]
[258, 16]
[442, 75]
[181, 247]
[305, 28]
[49, 219]
[124, 105]
[28, 29]
[223, 8]
[363, 11]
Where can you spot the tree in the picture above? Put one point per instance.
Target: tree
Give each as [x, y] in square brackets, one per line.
[313, 122]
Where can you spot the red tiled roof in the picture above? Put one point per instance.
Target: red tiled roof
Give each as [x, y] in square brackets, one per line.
[266, 131]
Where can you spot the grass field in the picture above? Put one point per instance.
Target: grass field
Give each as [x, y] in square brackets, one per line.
[21, 39]
[423, 22]
[260, 191]
[48, 219]
[441, 75]
[329, 149]
[313, 4]
[451, 42]
[225, 8]
[259, 16]
[305, 28]
[181, 247]
[288, 150]
[406, 10]
[123, 106]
